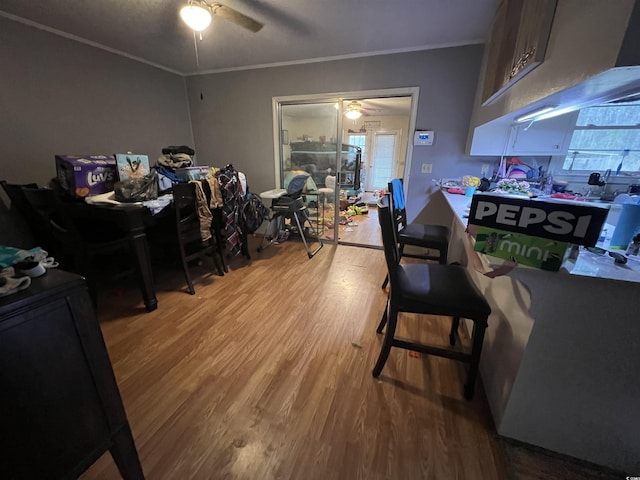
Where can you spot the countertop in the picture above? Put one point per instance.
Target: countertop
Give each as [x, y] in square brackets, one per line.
[587, 264]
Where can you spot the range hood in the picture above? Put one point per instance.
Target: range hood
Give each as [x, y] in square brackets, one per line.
[620, 84]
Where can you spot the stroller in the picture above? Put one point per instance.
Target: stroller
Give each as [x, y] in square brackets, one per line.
[289, 214]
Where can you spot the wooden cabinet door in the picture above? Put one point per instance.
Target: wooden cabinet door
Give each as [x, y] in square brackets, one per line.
[530, 46]
[517, 45]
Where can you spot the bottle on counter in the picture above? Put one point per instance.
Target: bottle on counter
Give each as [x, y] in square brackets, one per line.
[634, 245]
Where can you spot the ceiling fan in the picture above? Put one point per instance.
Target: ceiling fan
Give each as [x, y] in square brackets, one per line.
[197, 15]
[355, 110]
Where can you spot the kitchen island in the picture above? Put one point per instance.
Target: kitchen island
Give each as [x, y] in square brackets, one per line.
[562, 351]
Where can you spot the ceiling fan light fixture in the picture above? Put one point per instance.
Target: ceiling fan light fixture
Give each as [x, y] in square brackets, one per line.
[353, 110]
[196, 17]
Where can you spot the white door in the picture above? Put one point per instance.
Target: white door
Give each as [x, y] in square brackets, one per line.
[384, 158]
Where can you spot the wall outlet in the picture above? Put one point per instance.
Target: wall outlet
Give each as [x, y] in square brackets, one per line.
[426, 167]
[485, 169]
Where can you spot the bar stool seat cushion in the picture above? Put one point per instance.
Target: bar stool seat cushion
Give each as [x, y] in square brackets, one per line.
[419, 234]
[439, 290]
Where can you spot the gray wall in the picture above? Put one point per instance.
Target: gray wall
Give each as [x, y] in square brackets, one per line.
[232, 112]
[61, 96]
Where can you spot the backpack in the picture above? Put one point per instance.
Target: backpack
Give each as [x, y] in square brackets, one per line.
[254, 213]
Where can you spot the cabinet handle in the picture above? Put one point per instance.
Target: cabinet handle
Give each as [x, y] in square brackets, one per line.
[521, 62]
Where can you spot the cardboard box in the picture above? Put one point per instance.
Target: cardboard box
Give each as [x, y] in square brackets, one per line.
[187, 174]
[536, 252]
[86, 175]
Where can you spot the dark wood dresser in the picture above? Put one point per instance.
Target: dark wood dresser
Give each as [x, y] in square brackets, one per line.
[60, 408]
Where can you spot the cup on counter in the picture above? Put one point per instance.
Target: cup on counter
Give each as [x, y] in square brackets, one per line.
[469, 191]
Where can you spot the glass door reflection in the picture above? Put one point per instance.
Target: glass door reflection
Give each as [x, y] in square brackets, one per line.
[309, 146]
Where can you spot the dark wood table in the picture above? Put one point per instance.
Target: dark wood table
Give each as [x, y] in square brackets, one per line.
[134, 221]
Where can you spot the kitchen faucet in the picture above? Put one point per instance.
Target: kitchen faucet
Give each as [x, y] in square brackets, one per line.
[596, 179]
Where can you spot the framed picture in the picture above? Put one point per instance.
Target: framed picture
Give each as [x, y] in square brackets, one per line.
[131, 165]
[285, 137]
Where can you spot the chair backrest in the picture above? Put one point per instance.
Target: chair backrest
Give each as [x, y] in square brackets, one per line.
[396, 189]
[389, 231]
[296, 185]
[50, 212]
[186, 209]
[18, 201]
[29, 217]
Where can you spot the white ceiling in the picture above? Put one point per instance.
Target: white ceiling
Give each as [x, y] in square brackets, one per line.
[294, 30]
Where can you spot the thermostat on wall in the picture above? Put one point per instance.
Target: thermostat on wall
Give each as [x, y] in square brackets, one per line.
[423, 137]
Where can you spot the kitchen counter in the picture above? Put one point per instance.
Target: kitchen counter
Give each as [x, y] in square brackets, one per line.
[587, 264]
[560, 357]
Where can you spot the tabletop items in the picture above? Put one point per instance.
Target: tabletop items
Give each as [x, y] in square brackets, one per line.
[18, 267]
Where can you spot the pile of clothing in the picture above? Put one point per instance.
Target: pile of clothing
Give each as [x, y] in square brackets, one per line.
[172, 158]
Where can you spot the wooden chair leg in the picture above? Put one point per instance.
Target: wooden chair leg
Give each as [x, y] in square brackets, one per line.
[388, 341]
[383, 320]
[216, 261]
[187, 275]
[454, 329]
[479, 327]
[217, 226]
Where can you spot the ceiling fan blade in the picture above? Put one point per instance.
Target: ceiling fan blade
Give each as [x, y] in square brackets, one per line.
[236, 17]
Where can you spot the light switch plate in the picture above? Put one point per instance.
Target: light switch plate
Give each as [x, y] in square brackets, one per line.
[427, 167]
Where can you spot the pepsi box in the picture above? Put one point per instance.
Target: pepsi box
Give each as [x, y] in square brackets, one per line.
[86, 175]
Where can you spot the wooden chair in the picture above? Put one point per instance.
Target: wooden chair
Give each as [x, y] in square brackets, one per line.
[191, 244]
[92, 249]
[39, 233]
[435, 237]
[429, 288]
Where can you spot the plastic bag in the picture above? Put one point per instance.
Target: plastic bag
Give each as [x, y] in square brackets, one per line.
[137, 189]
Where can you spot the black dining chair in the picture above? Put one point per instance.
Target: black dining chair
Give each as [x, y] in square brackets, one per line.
[432, 237]
[39, 233]
[195, 241]
[96, 250]
[433, 289]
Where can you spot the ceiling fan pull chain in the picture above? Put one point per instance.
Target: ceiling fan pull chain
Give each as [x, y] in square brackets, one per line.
[195, 46]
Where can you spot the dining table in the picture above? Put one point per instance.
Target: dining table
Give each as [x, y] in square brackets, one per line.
[133, 220]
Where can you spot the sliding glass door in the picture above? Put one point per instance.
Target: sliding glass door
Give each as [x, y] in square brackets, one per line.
[350, 149]
[309, 145]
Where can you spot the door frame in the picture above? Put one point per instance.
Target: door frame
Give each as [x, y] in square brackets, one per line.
[276, 103]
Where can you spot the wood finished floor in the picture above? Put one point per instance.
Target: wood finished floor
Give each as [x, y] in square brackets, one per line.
[366, 232]
[265, 373]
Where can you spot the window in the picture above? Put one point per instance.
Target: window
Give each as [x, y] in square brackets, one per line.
[606, 137]
[359, 140]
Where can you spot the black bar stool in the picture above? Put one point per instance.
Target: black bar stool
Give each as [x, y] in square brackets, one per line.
[433, 289]
[435, 237]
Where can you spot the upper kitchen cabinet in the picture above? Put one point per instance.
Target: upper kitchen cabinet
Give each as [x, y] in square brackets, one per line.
[518, 43]
[591, 58]
[544, 137]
